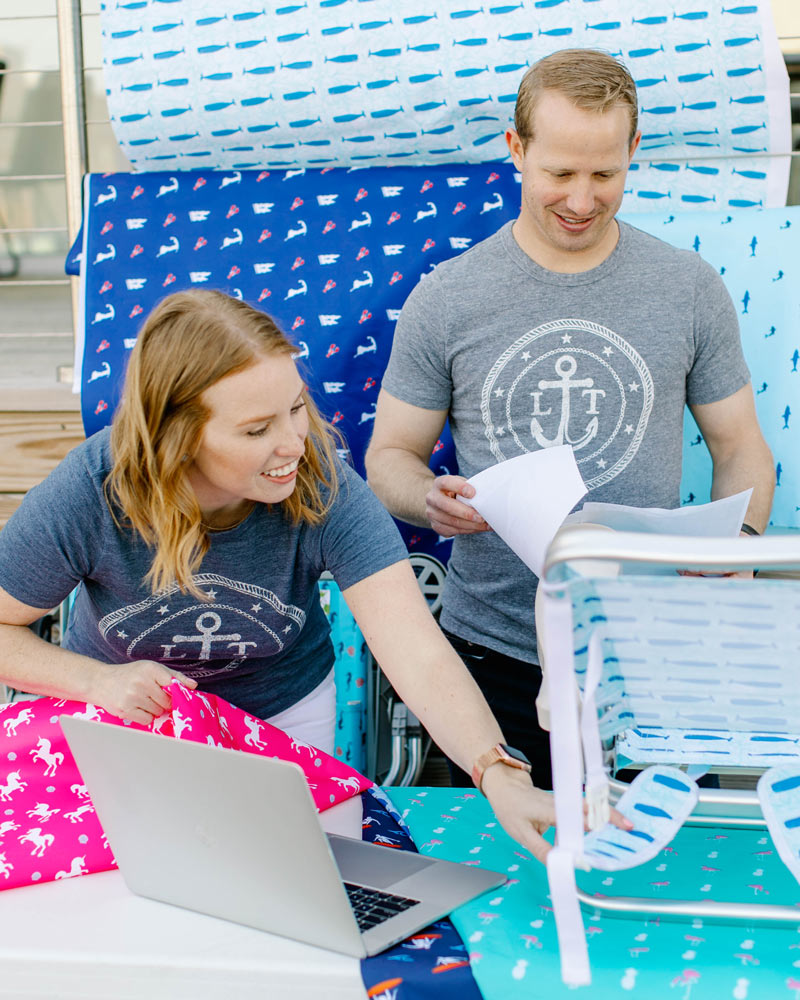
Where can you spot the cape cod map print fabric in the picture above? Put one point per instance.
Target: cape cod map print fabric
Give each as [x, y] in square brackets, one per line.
[210, 83]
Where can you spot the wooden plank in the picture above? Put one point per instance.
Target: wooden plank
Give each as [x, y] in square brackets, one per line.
[55, 398]
[8, 504]
[32, 444]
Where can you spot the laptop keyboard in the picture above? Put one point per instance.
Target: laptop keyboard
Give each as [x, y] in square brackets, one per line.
[371, 906]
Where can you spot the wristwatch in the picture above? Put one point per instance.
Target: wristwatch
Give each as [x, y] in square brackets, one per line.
[748, 529]
[500, 753]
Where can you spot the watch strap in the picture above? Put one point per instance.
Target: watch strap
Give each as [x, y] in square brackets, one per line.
[498, 754]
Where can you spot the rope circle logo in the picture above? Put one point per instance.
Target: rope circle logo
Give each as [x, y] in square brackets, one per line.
[572, 382]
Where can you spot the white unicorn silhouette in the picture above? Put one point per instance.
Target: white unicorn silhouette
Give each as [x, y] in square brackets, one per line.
[42, 812]
[78, 814]
[352, 784]
[42, 752]
[92, 713]
[11, 725]
[299, 745]
[77, 867]
[41, 841]
[14, 785]
[253, 737]
[181, 723]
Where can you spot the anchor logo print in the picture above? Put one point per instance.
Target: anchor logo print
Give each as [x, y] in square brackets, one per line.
[241, 621]
[208, 626]
[574, 382]
[565, 368]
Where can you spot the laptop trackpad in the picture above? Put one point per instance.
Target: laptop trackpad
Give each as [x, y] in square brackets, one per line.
[378, 867]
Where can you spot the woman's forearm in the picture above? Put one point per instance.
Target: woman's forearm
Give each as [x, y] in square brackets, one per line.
[36, 666]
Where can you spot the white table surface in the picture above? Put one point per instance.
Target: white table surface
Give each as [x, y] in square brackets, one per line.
[90, 937]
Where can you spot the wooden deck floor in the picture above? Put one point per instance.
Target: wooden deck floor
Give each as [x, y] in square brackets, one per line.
[32, 443]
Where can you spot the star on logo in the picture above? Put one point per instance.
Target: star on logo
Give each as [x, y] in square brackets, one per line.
[629, 428]
[601, 463]
[499, 431]
[256, 607]
[499, 393]
[566, 338]
[526, 356]
[122, 635]
[163, 609]
[287, 630]
[633, 387]
[212, 594]
[607, 351]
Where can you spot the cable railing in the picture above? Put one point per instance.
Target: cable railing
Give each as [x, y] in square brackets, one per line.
[72, 23]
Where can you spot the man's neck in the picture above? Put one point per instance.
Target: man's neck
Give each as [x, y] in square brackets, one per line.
[564, 261]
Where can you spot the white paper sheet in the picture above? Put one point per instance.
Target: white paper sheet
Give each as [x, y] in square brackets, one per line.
[720, 518]
[526, 499]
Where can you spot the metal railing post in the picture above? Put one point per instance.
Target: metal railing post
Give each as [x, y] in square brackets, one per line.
[73, 114]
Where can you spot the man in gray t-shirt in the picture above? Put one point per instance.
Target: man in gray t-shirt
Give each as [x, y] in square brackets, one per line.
[566, 326]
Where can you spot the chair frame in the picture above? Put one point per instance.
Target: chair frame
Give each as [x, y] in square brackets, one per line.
[776, 556]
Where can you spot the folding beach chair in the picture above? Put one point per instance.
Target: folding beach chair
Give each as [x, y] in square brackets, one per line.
[677, 674]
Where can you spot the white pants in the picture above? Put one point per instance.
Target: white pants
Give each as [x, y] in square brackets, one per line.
[313, 718]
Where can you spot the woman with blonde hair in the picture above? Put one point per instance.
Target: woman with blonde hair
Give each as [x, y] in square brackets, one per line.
[195, 530]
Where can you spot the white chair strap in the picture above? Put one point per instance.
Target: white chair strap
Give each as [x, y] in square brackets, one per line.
[565, 752]
[597, 788]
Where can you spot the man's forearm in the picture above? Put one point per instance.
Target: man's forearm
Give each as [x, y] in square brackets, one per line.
[751, 468]
[400, 480]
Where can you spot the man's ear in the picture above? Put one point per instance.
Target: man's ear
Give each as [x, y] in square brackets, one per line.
[515, 147]
[635, 145]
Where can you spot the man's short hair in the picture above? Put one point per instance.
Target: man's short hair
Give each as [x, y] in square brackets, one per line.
[591, 79]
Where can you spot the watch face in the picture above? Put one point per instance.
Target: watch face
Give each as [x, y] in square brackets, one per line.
[515, 754]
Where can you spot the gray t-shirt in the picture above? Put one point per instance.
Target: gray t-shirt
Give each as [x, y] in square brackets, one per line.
[261, 640]
[524, 358]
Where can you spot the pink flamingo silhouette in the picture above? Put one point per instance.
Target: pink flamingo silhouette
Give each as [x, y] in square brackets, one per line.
[430, 844]
[687, 978]
[794, 984]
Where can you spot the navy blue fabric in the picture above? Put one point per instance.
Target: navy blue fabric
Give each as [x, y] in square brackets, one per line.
[331, 254]
[433, 964]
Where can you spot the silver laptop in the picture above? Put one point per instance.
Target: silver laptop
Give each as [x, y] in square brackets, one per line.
[238, 836]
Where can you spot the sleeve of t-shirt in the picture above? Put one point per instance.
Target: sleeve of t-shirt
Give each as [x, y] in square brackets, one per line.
[719, 368]
[417, 372]
[45, 548]
[359, 537]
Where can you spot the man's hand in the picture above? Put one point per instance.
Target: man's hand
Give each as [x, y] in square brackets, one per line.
[135, 691]
[449, 516]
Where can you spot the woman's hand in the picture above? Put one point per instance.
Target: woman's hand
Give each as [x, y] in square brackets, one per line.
[526, 812]
[135, 691]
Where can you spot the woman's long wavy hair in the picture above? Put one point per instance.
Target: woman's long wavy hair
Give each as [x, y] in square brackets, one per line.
[189, 342]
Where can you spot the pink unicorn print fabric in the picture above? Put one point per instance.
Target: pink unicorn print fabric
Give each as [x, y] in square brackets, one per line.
[48, 826]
